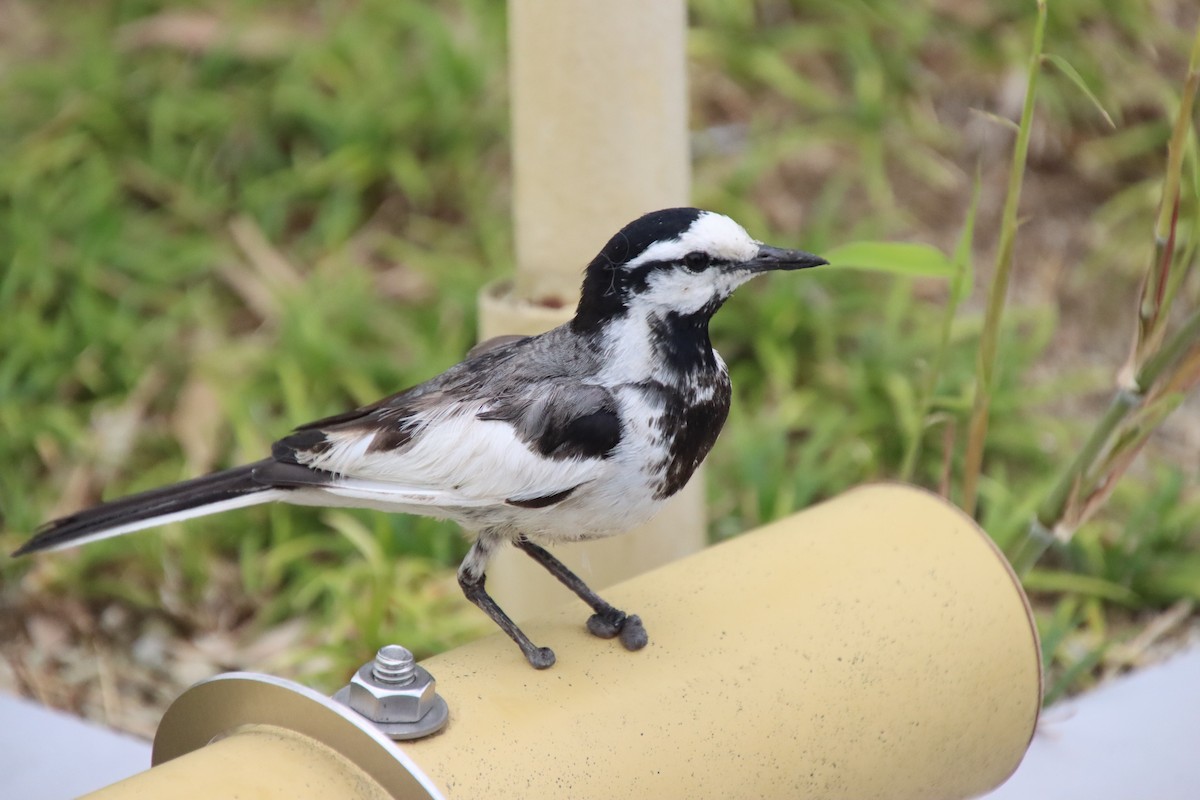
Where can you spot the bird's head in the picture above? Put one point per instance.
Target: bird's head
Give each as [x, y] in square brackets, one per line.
[680, 261]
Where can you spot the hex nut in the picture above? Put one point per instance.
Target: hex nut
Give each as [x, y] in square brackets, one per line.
[381, 702]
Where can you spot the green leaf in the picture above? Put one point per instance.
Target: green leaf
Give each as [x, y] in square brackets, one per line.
[1172, 577]
[904, 405]
[354, 530]
[996, 119]
[1057, 581]
[1075, 672]
[1065, 68]
[898, 258]
[964, 274]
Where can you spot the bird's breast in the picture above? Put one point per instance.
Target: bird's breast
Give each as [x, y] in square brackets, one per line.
[674, 426]
[667, 428]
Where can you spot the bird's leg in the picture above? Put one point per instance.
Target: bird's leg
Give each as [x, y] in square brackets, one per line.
[608, 621]
[471, 578]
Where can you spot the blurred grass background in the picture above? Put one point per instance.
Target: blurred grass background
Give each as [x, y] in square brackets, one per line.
[221, 219]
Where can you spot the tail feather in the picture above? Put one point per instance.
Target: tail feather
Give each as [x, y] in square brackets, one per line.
[221, 491]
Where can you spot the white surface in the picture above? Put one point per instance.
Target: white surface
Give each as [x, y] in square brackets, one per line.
[49, 755]
[1137, 738]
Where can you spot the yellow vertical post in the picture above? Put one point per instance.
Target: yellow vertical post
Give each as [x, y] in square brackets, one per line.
[599, 113]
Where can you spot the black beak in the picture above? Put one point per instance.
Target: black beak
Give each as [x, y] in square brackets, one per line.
[773, 258]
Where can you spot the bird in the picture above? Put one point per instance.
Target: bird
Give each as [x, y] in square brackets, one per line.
[581, 432]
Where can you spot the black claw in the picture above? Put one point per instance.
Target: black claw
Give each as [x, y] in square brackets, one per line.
[633, 633]
[540, 657]
[598, 625]
[628, 626]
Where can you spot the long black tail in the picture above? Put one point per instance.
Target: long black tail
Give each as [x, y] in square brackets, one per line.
[221, 491]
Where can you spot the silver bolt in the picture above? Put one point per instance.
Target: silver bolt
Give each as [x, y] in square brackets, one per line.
[394, 666]
[396, 694]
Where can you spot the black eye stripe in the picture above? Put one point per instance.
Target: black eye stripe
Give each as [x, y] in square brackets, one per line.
[646, 268]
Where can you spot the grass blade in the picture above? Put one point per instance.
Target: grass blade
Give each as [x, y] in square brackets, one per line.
[898, 258]
[1065, 68]
[989, 344]
[960, 287]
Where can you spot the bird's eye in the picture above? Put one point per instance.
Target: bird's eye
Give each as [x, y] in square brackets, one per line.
[696, 261]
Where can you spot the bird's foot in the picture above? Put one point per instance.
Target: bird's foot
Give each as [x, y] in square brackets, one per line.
[628, 626]
[539, 657]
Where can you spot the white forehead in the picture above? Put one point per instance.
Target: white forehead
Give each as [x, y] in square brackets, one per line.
[712, 233]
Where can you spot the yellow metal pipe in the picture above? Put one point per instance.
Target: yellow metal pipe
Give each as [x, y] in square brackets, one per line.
[264, 762]
[874, 646]
[600, 136]
[877, 645]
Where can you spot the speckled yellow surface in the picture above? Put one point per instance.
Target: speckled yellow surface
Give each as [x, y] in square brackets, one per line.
[258, 762]
[876, 645]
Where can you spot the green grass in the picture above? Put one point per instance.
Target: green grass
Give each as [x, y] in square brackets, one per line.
[261, 237]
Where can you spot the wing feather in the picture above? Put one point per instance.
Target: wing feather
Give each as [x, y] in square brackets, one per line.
[452, 458]
[476, 435]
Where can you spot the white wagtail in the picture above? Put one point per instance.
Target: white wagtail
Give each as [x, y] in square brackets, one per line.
[581, 432]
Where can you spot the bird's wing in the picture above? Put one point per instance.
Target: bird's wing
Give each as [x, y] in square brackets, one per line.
[494, 343]
[439, 447]
[470, 374]
[561, 419]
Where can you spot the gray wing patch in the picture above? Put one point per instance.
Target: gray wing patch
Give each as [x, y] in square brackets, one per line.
[395, 420]
[494, 343]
